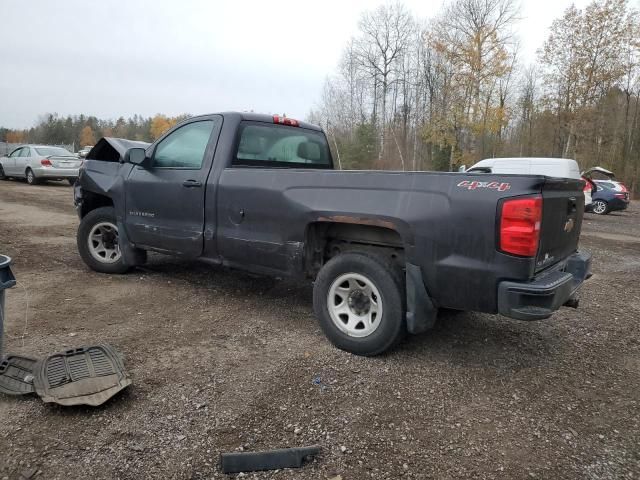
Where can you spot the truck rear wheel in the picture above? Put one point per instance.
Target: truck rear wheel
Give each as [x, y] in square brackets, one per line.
[97, 240]
[359, 300]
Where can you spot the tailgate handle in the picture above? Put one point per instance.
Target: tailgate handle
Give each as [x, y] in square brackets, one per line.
[191, 184]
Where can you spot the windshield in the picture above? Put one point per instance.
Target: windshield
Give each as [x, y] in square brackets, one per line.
[46, 151]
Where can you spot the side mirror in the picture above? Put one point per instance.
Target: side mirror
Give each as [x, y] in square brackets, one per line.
[136, 156]
[462, 168]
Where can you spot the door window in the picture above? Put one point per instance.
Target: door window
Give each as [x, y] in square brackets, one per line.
[185, 147]
[16, 153]
[26, 152]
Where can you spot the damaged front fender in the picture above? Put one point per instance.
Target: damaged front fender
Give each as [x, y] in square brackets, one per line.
[102, 176]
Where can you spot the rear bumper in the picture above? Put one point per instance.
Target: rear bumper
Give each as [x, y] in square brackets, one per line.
[547, 292]
[618, 204]
[52, 172]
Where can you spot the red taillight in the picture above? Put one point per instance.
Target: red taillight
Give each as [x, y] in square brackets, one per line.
[45, 162]
[623, 188]
[285, 121]
[520, 220]
[588, 187]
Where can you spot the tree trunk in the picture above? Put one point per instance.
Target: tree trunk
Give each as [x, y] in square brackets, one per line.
[385, 86]
[569, 146]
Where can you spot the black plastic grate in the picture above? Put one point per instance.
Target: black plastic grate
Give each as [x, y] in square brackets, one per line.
[57, 372]
[101, 364]
[16, 375]
[78, 367]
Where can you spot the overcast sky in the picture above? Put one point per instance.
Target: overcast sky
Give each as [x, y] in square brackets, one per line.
[117, 58]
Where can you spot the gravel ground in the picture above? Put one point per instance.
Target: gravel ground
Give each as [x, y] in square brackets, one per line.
[223, 361]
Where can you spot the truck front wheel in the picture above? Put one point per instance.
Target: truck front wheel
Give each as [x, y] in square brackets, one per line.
[359, 300]
[98, 241]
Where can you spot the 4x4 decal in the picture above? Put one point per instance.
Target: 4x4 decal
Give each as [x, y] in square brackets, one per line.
[472, 185]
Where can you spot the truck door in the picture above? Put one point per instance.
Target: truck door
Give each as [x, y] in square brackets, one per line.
[164, 200]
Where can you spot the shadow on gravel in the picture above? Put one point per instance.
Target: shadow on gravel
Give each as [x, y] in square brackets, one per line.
[225, 280]
[47, 183]
[459, 338]
[477, 340]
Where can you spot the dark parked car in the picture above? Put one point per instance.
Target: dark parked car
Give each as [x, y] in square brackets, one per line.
[385, 249]
[610, 196]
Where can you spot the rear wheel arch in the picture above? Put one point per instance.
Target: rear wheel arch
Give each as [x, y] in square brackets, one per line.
[325, 240]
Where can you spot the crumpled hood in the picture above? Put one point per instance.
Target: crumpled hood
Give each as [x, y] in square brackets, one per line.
[111, 149]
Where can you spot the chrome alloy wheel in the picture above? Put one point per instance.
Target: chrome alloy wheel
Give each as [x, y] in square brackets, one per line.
[599, 207]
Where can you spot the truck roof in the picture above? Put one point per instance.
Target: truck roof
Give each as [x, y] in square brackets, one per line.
[262, 117]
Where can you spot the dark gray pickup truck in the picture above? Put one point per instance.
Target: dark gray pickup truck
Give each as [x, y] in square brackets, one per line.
[385, 249]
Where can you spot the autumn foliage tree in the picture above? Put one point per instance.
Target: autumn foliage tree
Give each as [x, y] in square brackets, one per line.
[412, 94]
[87, 137]
[160, 124]
[435, 94]
[474, 37]
[80, 130]
[583, 59]
[15, 136]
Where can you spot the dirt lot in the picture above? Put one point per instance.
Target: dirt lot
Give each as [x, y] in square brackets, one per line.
[222, 360]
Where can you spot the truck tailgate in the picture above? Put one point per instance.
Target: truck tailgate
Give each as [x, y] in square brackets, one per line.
[562, 212]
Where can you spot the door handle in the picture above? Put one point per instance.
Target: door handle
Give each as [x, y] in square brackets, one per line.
[191, 184]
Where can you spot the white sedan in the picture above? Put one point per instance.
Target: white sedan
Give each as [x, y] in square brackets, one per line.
[40, 162]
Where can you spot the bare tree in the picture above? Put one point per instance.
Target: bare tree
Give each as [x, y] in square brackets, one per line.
[476, 37]
[410, 94]
[384, 38]
[583, 59]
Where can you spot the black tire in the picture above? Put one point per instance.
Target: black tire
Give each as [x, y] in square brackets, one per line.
[600, 207]
[72, 181]
[388, 280]
[31, 177]
[2, 175]
[93, 218]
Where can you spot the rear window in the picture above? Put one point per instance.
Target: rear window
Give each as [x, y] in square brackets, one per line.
[607, 185]
[264, 145]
